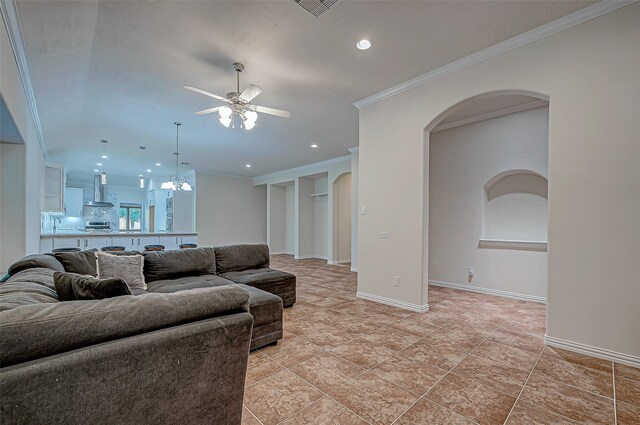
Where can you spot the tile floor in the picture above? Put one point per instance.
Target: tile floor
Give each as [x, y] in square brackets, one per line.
[471, 359]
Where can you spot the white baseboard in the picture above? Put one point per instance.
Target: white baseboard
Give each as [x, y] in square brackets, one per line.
[281, 253]
[348, 260]
[592, 351]
[337, 263]
[489, 291]
[354, 269]
[308, 257]
[395, 303]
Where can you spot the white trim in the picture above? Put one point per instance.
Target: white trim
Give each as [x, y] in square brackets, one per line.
[348, 260]
[493, 114]
[395, 303]
[513, 245]
[300, 171]
[589, 350]
[332, 263]
[354, 149]
[280, 253]
[489, 291]
[337, 263]
[308, 257]
[354, 269]
[553, 27]
[14, 30]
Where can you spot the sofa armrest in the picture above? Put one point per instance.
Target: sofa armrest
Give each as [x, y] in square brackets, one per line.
[34, 331]
[187, 374]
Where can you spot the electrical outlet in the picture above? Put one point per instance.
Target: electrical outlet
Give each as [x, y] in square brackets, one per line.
[472, 271]
[363, 210]
[396, 281]
[384, 235]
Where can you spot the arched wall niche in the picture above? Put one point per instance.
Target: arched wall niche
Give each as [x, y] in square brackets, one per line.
[515, 204]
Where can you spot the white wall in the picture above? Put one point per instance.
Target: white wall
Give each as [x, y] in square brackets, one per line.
[304, 217]
[276, 218]
[290, 219]
[13, 93]
[355, 213]
[589, 74]
[461, 161]
[342, 218]
[229, 210]
[12, 203]
[320, 218]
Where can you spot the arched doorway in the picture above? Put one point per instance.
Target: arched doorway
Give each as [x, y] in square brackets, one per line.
[485, 199]
[341, 219]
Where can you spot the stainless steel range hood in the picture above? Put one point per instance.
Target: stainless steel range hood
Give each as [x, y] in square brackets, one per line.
[99, 194]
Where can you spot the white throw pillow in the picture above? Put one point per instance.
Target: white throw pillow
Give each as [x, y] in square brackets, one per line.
[126, 267]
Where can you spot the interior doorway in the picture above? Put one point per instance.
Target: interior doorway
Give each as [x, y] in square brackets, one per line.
[342, 219]
[486, 196]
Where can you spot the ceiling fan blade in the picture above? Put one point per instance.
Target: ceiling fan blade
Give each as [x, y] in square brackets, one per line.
[273, 111]
[206, 93]
[208, 111]
[250, 92]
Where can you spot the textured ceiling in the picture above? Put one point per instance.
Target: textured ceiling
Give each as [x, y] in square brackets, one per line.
[115, 70]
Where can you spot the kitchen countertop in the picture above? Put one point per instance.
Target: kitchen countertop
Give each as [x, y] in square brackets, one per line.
[75, 234]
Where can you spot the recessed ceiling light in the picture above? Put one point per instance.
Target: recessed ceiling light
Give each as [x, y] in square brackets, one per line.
[104, 157]
[247, 165]
[148, 170]
[314, 146]
[99, 164]
[96, 171]
[158, 164]
[364, 44]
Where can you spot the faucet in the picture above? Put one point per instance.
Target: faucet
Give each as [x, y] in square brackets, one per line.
[54, 223]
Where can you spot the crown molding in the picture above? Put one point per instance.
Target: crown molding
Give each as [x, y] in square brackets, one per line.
[11, 19]
[493, 114]
[553, 27]
[301, 170]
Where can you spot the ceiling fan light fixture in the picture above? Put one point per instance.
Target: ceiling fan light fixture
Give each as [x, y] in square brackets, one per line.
[248, 125]
[185, 186]
[251, 116]
[226, 121]
[168, 185]
[225, 112]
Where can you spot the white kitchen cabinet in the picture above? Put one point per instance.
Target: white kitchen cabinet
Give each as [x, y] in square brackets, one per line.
[73, 201]
[130, 243]
[189, 239]
[53, 193]
[170, 242]
[68, 243]
[82, 242]
[96, 242]
[46, 245]
[146, 240]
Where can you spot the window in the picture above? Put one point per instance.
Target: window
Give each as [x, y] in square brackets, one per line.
[130, 217]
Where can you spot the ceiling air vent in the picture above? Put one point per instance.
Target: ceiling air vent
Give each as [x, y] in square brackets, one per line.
[316, 7]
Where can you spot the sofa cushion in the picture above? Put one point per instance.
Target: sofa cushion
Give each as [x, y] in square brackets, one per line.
[81, 262]
[274, 281]
[235, 258]
[161, 265]
[126, 267]
[35, 261]
[31, 286]
[38, 330]
[72, 286]
[187, 282]
[263, 306]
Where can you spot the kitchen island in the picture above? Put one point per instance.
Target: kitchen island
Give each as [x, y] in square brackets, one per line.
[132, 241]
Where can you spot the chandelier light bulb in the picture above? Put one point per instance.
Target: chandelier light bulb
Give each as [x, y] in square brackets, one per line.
[248, 125]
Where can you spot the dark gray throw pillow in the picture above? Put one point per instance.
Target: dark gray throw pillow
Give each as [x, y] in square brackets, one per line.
[81, 262]
[72, 286]
[35, 261]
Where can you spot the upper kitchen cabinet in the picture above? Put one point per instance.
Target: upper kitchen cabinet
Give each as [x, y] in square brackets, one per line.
[73, 201]
[53, 188]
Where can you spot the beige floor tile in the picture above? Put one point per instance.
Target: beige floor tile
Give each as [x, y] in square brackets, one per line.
[248, 418]
[290, 352]
[374, 398]
[325, 411]
[628, 391]
[627, 414]
[471, 399]
[260, 367]
[425, 412]
[568, 401]
[327, 371]
[363, 353]
[525, 413]
[279, 396]
[409, 373]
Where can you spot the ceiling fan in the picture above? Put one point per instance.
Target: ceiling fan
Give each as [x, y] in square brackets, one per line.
[239, 104]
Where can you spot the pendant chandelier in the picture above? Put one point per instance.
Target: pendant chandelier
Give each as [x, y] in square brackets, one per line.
[175, 182]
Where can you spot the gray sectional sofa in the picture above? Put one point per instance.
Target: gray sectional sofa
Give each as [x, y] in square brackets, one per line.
[175, 353]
